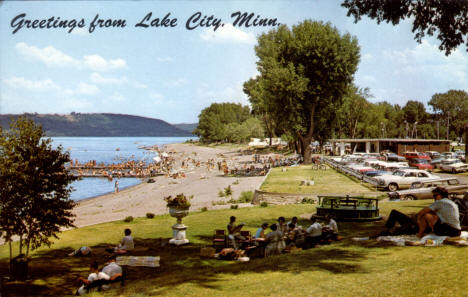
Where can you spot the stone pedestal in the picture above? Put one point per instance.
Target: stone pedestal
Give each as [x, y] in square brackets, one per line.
[178, 235]
[178, 230]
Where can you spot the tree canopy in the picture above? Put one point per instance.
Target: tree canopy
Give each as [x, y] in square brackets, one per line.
[448, 17]
[304, 74]
[227, 122]
[34, 186]
[452, 106]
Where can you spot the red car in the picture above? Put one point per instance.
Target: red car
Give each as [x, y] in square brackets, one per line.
[416, 155]
[422, 164]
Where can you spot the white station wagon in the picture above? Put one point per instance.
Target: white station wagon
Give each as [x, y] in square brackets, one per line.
[403, 179]
[453, 165]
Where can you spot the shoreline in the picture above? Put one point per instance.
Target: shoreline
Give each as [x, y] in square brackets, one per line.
[200, 180]
[97, 196]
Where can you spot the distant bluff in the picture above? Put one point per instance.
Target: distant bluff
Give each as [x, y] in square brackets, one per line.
[98, 124]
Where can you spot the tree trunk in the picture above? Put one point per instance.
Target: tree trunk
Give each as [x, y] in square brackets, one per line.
[21, 244]
[306, 151]
[11, 251]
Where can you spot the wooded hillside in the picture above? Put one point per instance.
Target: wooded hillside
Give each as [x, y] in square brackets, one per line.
[98, 124]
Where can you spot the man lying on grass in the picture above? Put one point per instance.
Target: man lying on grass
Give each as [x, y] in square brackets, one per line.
[441, 217]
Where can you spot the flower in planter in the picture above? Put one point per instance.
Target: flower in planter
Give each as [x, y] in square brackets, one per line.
[179, 201]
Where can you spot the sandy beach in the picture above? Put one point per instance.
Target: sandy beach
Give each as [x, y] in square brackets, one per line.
[201, 182]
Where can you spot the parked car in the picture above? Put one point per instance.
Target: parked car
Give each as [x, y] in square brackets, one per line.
[436, 162]
[403, 179]
[449, 155]
[416, 155]
[433, 154]
[422, 164]
[453, 165]
[392, 157]
[423, 190]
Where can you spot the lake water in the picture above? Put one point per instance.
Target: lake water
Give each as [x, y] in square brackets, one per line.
[108, 150]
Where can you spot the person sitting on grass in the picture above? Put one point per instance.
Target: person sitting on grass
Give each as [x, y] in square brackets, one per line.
[94, 276]
[275, 240]
[282, 227]
[442, 216]
[261, 231]
[127, 243]
[331, 230]
[292, 221]
[295, 236]
[233, 231]
[313, 233]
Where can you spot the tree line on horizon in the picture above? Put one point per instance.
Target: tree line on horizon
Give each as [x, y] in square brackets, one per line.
[357, 118]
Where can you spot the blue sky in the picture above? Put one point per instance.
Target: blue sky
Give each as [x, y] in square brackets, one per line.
[173, 73]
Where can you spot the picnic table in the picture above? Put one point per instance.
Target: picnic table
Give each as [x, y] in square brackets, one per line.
[348, 208]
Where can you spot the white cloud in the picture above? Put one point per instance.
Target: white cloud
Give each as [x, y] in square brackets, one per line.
[206, 94]
[48, 85]
[228, 33]
[80, 31]
[98, 63]
[48, 55]
[165, 59]
[156, 95]
[86, 89]
[426, 58]
[367, 58]
[99, 79]
[369, 78]
[139, 85]
[176, 83]
[51, 57]
[116, 97]
[32, 85]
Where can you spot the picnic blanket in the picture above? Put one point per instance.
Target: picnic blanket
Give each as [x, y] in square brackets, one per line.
[428, 240]
[146, 261]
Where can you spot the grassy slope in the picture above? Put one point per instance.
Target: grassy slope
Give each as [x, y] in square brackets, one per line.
[344, 268]
[326, 181]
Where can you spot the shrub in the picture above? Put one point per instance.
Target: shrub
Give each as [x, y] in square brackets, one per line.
[306, 200]
[236, 182]
[203, 209]
[150, 215]
[178, 201]
[264, 204]
[234, 206]
[228, 191]
[128, 219]
[221, 193]
[245, 197]
[218, 203]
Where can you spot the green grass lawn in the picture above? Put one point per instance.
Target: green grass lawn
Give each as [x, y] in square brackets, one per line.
[325, 182]
[344, 268]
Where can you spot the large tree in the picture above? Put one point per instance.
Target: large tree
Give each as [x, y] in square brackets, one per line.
[448, 17]
[304, 74]
[452, 109]
[213, 121]
[414, 111]
[34, 186]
